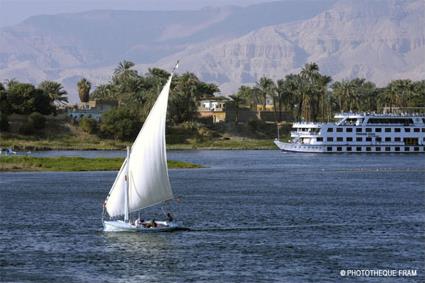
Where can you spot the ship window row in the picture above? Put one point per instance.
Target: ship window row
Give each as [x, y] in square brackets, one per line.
[369, 149]
[308, 130]
[376, 130]
[370, 139]
[404, 121]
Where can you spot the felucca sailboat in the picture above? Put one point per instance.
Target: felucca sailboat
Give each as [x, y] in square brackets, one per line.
[143, 178]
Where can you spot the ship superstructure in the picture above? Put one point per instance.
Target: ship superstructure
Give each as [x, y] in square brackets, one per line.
[359, 132]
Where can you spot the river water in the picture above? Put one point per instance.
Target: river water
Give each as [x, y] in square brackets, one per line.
[255, 216]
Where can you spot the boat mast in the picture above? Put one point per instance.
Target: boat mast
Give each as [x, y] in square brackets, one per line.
[127, 187]
[278, 132]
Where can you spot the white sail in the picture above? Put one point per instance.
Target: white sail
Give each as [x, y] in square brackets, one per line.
[116, 198]
[148, 172]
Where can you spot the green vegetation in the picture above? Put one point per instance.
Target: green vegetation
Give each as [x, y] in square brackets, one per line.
[84, 87]
[24, 143]
[55, 91]
[31, 117]
[120, 124]
[88, 125]
[136, 94]
[30, 101]
[311, 96]
[26, 163]
[231, 143]
[66, 142]
[60, 134]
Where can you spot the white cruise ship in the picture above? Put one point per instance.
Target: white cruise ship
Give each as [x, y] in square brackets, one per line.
[360, 132]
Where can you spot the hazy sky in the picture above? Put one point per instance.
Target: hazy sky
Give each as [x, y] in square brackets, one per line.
[14, 11]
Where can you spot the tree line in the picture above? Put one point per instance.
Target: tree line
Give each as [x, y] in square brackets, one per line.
[31, 101]
[307, 95]
[136, 93]
[312, 96]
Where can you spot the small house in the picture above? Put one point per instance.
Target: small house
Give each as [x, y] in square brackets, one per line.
[213, 107]
[92, 109]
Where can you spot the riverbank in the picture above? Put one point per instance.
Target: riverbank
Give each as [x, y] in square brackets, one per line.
[77, 143]
[226, 144]
[70, 164]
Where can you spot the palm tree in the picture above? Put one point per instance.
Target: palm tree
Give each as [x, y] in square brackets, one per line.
[104, 91]
[188, 83]
[238, 99]
[55, 91]
[283, 94]
[126, 80]
[345, 93]
[324, 81]
[285, 89]
[84, 87]
[207, 89]
[310, 76]
[5, 109]
[354, 95]
[366, 95]
[419, 94]
[399, 92]
[310, 71]
[295, 87]
[159, 73]
[248, 95]
[265, 88]
[124, 70]
[12, 82]
[183, 100]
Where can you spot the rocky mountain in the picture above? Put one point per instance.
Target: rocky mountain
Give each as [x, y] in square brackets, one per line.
[376, 40]
[379, 40]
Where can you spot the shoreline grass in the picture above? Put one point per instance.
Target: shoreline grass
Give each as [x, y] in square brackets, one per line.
[72, 164]
[231, 144]
[72, 143]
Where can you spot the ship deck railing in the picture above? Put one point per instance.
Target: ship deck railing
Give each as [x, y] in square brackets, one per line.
[373, 114]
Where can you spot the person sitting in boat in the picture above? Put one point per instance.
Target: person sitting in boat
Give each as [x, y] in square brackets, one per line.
[150, 224]
[139, 222]
[170, 217]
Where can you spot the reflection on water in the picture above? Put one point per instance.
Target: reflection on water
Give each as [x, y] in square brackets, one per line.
[255, 216]
[147, 244]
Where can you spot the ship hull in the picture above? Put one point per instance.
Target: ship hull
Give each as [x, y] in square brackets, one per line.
[293, 147]
[348, 148]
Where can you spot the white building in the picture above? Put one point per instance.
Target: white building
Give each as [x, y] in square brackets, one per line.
[92, 109]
